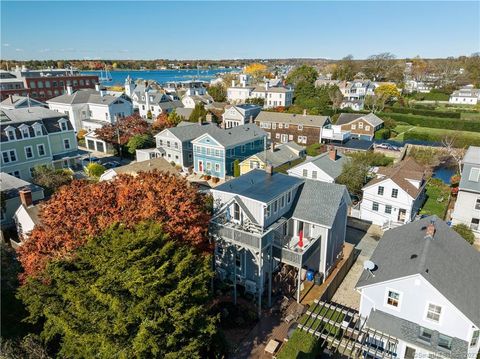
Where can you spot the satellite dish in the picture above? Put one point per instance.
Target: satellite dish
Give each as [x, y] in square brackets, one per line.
[368, 265]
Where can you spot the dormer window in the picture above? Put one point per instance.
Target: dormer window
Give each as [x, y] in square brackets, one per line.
[10, 131]
[236, 212]
[25, 131]
[37, 128]
[63, 124]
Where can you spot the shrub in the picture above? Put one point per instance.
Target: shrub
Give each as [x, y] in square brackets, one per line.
[422, 112]
[436, 122]
[383, 134]
[315, 149]
[207, 177]
[236, 168]
[94, 170]
[215, 179]
[462, 140]
[465, 232]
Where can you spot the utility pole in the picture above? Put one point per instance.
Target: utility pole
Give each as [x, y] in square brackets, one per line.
[119, 145]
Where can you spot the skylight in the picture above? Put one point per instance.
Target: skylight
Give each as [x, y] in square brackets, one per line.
[474, 174]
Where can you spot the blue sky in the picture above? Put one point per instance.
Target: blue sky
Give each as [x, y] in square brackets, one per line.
[227, 30]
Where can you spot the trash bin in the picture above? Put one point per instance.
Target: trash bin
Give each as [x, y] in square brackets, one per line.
[318, 279]
[310, 275]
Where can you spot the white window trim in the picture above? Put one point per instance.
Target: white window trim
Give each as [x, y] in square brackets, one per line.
[69, 144]
[425, 313]
[10, 157]
[31, 150]
[400, 296]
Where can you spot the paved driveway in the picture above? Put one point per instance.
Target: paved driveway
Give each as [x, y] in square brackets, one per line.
[365, 243]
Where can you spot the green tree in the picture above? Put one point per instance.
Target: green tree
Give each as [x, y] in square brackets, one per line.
[218, 92]
[388, 92]
[149, 115]
[236, 168]
[94, 170]
[302, 73]
[465, 232]
[198, 113]
[256, 101]
[126, 294]
[51, 179]
[140, 141]
[345, 69]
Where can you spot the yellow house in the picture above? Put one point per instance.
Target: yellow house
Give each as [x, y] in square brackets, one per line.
[275, 156]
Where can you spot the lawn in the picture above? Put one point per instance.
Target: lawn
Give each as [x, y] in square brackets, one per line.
[436, 133]
[437, 198]
[283, 168]
[300, 346]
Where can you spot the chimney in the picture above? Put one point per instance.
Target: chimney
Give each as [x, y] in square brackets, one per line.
[332, 153]
[209, 117]
[26, 197]
[272, 147]
[269, 169]
[233, 83]
[430, 231]
[305, 112]
[200, 121]
[69, 90]
[10, 96]
[97, 87]
[251, 118]
[266, 85]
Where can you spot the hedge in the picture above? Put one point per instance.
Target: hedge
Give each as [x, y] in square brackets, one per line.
[435, 122]
[462, 140]
[422, 112]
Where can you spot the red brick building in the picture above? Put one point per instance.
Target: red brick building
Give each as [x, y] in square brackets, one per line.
[43, 85]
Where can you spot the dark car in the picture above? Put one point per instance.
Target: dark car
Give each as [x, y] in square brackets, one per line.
[111, 164]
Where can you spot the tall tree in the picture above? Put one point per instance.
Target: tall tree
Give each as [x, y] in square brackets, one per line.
[51, 179]
[140, 141]
[120, 132]
[302, 73]
[199, 113]
[218, 92]
[377, 66]
[166, 120]
[345, 69]
[128, 293]
[256, 70]
[84, 209]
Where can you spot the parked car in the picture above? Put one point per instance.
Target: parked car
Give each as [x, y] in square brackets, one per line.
[111, 164]
[92, 159]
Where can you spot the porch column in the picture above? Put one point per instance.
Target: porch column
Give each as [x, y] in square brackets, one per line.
[270, 278]
[260, 289]
[234, 274]
[299, 283]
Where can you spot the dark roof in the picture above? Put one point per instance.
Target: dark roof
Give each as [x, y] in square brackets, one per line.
[408, 331]
[10, 185]
[331, 168]
[259, 185]
[447, 262]
[353, 144]
[318, 202]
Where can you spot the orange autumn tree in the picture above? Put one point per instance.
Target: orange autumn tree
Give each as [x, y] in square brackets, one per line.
[85, 209]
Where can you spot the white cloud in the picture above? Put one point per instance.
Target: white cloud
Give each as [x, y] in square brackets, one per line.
[6, 44]
[44, 50]
[18, 50]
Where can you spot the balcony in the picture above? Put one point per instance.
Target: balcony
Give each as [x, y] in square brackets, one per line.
[287, 250]
[335, 134]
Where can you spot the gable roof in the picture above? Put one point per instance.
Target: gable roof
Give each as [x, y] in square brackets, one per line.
[157, 163]
[371, 118]
[318, 202]
[16, 101]
[237, 135]
[406, 169]
[292, 118]
[188, 131]
[331, 168]
[280, 155]
[91, 96]
[447, 262]
[10, 185]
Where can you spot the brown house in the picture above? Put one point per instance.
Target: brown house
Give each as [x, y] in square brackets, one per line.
[361, 126]
[285, 127]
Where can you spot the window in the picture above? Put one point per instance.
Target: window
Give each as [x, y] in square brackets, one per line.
[238, 260]
[176, 145]
[282, 202]
[433, 312]
[475, 336]
[236, 211]
[425, 334]
[277, 135]
[360, 125]
[300, 127]
[11, 135]
[209, 166]
[275, 207]
[66, 143]
[354, 127]
[25, 132]
[305, 173]
[168, 143]
[367, 128]
[375, 206]
[289, 197]
[15, 174]
[314, 174]
[63, 125]
[38, 131]
[41, 150]
[388, 209]
[280, 125]
[217, 167]
[474, 224]
[274, 126]
[286, 125]
[444, 341]
[474, 174]
[268, 210]
[28, 152]
[380, 190]
[394, 192]
[9, 156]
[243, 148]
[208, 151]
[477, 204]
[290, 137]
[393, 298]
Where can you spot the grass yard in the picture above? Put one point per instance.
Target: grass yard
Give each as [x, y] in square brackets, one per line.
[437, 198]
[300, 346]
[286, 166]
[467, 136]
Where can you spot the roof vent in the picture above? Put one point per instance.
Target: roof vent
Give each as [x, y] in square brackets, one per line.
[413, 256]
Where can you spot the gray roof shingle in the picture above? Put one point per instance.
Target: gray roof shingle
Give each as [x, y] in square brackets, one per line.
[371, 118]
[447, 261]
[292, 118]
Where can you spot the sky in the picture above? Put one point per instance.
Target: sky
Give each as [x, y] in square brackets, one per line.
[237, 30]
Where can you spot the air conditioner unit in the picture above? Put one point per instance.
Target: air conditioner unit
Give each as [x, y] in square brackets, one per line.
[250, 287]
[222, 273]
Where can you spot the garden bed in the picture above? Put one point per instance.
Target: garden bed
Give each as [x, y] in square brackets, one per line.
[438, 194]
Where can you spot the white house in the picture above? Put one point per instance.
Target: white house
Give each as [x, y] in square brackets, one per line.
[359, 89]
[240, 115]
[91, 109]
[274, 96]
[423, 292]
[466, 96]
[325, 167]
[189, 101]
[239, 94]
[467, 206]
[395, 195]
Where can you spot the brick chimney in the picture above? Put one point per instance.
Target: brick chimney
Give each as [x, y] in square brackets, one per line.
[430, 231]
[26, 197]
[332, 153]
[269, 169]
